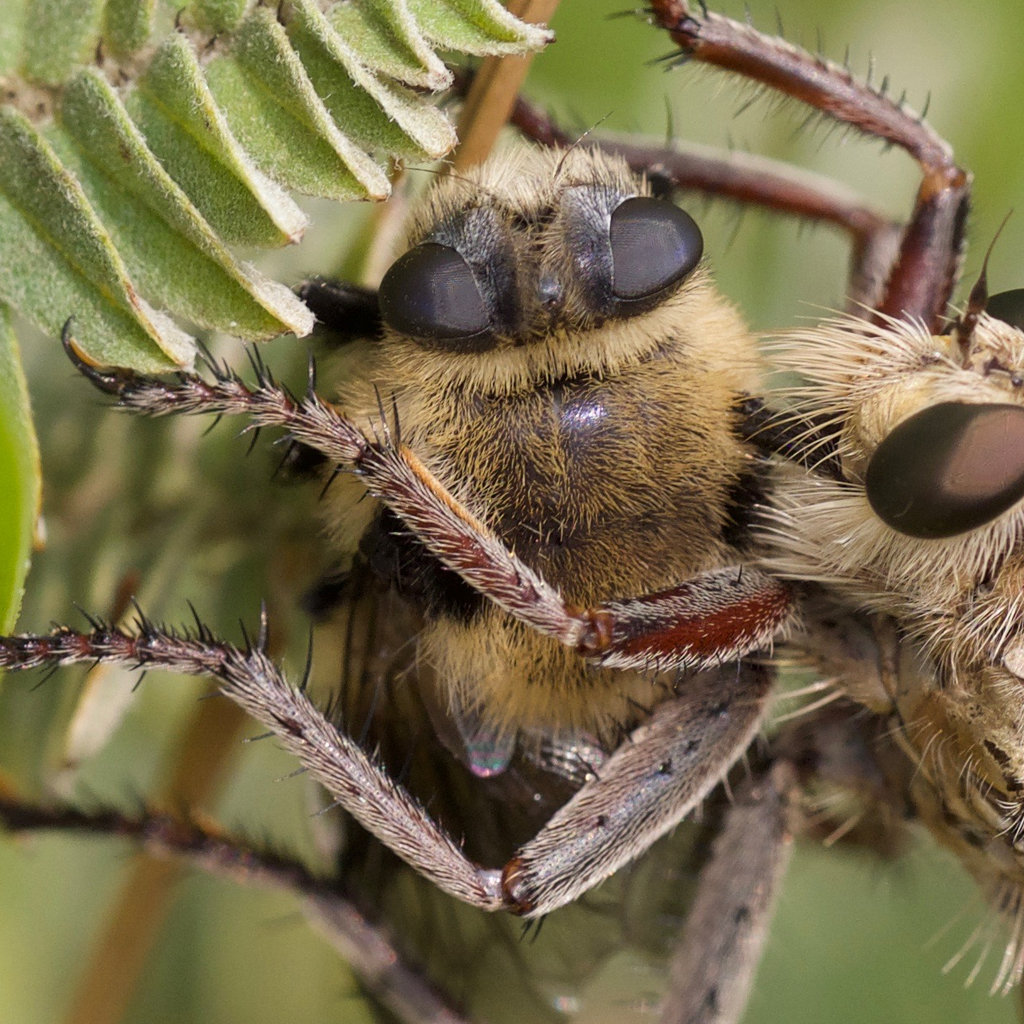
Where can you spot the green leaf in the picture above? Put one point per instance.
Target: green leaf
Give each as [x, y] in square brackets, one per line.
[477, 26]
[217, 15]
[19, 477]
[385, 35]
[274, 110]
[174, 148]
[190, 136]
[371, 113]
[12, 35]
[127, 25]
[62, 35]
[171, 252]
[57, 260]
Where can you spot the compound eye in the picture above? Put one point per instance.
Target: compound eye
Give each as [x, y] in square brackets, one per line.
[1008, 307]
[431, 293]
[654, 246]
[948, 469]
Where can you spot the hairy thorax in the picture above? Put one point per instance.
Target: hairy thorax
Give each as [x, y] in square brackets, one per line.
[608, 487]
[556, 354]
[611, 482]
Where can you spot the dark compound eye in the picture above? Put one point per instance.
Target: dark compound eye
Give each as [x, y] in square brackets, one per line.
[948, 469]
[654, 245]
[431, 293]
[1008, 307]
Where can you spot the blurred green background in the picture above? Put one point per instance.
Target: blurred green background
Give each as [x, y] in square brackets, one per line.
[853, 940]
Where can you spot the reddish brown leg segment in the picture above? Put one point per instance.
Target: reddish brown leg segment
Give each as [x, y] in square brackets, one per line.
[925, 270]
[754, 181]
[716, 616]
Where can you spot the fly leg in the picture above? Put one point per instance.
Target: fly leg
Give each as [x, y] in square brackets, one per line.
[366, 948]
[716, 616]
[927, 265]
[716, 958]
[656, 776]
[650, 783]
[247, 676]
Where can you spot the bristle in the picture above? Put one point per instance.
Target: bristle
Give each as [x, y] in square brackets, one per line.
[843, 829]
[1004, 979]
[809, 709]
[964, 949]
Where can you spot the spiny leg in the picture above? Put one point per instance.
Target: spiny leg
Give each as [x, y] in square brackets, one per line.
[348, 313]
[716, 616]
[717, 955]
[926, 268]
[849, 759]
[664, 769]
[658, 774]
[752, 180]
[365, 947]
[249, 678]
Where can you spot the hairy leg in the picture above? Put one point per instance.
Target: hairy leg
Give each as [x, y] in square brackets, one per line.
[716, 616]
[658, 774]
[751, 180]
[714, 963]
[365, 946]
[927, 265]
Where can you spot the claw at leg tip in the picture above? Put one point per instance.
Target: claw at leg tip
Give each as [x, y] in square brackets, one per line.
[109, 382]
